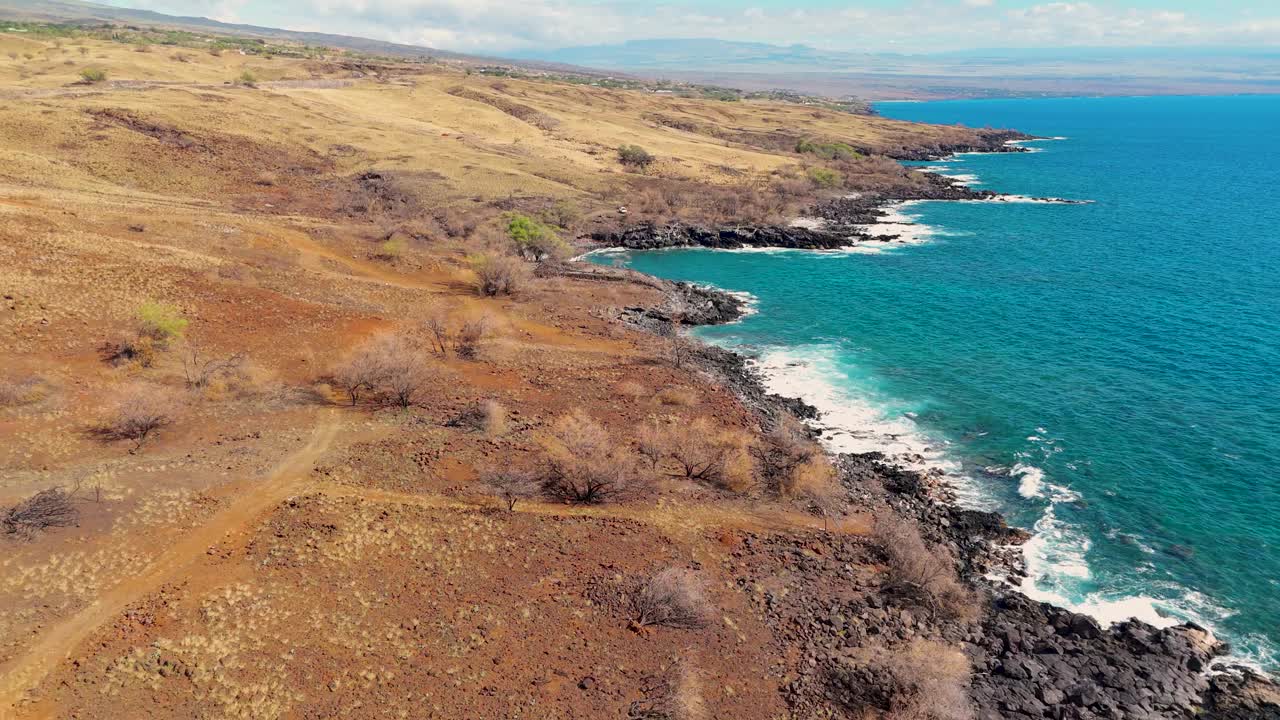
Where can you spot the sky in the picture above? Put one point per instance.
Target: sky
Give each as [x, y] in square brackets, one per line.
[910, 26]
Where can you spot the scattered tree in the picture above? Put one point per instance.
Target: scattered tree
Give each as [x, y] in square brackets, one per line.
[679, 346]
[436, 327]
[498, 274]
[635, 157]
[46, 509]
[534, 240]
[671, 598]
[584, 464]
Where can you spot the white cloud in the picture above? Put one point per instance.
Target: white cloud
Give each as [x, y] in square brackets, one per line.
[916, 25]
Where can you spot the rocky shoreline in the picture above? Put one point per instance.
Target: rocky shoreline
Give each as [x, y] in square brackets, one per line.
[1029, 659]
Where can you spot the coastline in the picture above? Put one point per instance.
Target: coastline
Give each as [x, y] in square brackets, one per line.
[1090, 665]
[1129, 654]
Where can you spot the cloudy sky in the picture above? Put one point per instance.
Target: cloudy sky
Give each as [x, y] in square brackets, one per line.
[859, 25]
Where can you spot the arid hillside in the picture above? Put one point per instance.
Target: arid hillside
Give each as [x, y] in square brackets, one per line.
[292, 425]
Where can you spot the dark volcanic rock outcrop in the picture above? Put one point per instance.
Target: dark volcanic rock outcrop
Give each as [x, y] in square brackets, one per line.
[650, 236]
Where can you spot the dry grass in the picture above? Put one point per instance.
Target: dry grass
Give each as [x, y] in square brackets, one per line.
[139, 413]
[919, 573]
[46, 509]
[671, 598]
[919, 680]
[585, 465]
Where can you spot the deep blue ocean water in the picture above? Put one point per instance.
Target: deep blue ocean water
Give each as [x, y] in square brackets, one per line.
[1106, 374]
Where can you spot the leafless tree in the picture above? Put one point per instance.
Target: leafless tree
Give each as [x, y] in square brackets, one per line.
[918, 572]
[436, 326]
[511, 485]
[467, 342]
[584, 464]
[142, 410]
[46, 509]
[671, 598]
[199, 369]
[360, 371]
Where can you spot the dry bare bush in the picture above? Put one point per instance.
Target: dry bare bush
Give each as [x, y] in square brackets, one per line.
[15, 392]
[584, 464]
[435, 326]
[46, 509]
[920, 680]
[702, 452]
[499, 274]
[486, 416]
[791, 465]
[199, 368]
[680, 347]
[672, 598]
[140, 411]
[511, 485]
[358, 372]
[631, 389]
[387, 365]
[919, 573]
[466, 344]
[678, 397]
[676, 695]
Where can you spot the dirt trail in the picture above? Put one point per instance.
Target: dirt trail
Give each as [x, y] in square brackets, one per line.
[668, 517]
[26, 671]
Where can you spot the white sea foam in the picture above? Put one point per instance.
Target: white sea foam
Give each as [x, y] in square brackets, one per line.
[854, 422]
[1056, 556]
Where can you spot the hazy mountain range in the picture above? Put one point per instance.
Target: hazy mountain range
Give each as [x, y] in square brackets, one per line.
[761, 66]
[964, 73]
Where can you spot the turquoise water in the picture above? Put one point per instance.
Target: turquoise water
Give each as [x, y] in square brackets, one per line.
[1106, 374]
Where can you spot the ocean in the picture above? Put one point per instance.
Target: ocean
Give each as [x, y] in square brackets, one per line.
[1106, 374]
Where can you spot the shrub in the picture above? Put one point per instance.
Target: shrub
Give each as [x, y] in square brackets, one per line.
[631, 389]
[824, 177]
[498, 274]
[635, 157]
[827, 150]
[391, 249]
[466, 344]
[703, 453]
[200, 369]
[388, 365]
[675, 696]
[535, 240]
[510, 485]
[671, 598]
[14, 393]
[436, 327]
[46, 509]
[921, 680]
[679, 397]
[139, 413]
[487, 416]
[161, 322]
[93, 75]
[247, 79]
[83, 51]
[790, 464]
[584, 464]
[918, 573]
